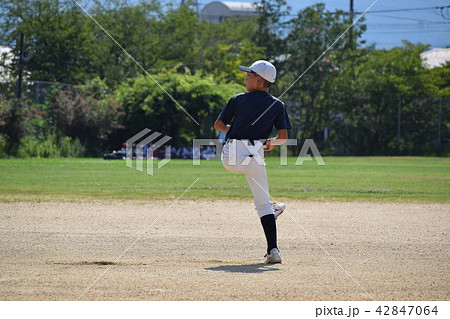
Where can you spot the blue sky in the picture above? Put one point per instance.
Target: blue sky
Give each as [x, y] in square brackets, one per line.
[388, 29]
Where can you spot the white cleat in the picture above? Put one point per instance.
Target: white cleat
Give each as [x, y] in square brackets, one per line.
[274, 257]
[278, 209]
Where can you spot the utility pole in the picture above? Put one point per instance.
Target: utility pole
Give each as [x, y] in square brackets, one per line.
[350, 34]
[19, 82]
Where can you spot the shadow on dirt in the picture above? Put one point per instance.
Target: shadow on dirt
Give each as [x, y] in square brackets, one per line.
[246, 269]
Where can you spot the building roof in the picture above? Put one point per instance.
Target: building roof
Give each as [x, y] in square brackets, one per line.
[435, 58]
[219, 11]
[239, 6]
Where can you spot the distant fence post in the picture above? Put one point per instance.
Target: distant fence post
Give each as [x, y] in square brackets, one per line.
[19, 81]
[399, 110]
[36, 101]
[439, 123]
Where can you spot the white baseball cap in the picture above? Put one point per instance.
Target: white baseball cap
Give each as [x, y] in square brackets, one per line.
[264, 69]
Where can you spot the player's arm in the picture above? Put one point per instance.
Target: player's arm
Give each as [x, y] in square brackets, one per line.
[280, 139]
[219, 125]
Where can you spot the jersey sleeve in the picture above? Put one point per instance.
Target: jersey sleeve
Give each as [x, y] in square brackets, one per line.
[282, 120]
[228, 111]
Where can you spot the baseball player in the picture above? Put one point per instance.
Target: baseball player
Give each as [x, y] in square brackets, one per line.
[248, 120]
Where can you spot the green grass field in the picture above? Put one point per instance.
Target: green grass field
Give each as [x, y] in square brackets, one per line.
[342, 178]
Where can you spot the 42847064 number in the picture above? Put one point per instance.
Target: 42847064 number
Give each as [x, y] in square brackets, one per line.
[407, 310]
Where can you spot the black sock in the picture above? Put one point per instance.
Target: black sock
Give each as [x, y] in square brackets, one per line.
[270, 230]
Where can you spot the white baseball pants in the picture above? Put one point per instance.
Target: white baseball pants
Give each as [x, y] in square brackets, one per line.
[240, 156]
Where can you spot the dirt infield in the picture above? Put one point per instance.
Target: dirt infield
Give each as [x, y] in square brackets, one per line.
[213, 250]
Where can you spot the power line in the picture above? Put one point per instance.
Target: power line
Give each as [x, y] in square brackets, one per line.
[406, 9]
[404, 32]
[386, 11]
[403, 26]
[411, 19]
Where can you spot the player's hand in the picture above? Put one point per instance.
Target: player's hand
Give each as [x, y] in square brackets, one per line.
[268, 147]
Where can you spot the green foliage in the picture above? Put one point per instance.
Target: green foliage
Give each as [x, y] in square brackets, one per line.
[272, 26]
[55, 36]
[147, 106]
[27, 132]
[310, 33]
[135, 29]
[368, 93]
[88, 112]
[13, 124]
[223, 47]
[31, 146]
[437, 81]
[73, 122]
[351, 91]
[180, 29]
[3, 150]
[71, 148]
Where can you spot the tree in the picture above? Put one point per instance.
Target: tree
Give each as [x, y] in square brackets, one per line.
[147, 106]
[136, 29]
[89, 113]
[272, 26]
[310, 34]
[368, 103]
[223, 47]
[13, 126]
[437, 81]
[55, 36]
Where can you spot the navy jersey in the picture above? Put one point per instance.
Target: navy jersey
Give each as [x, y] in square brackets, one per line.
[245, 108]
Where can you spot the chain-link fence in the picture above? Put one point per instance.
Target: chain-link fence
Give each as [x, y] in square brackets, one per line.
[412, 127]
[38, 91]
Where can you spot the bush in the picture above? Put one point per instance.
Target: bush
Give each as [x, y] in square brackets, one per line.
[13, 124]
[31, 146]
[145, 105]
[87, 113]
[3, 152]
[71, 148]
